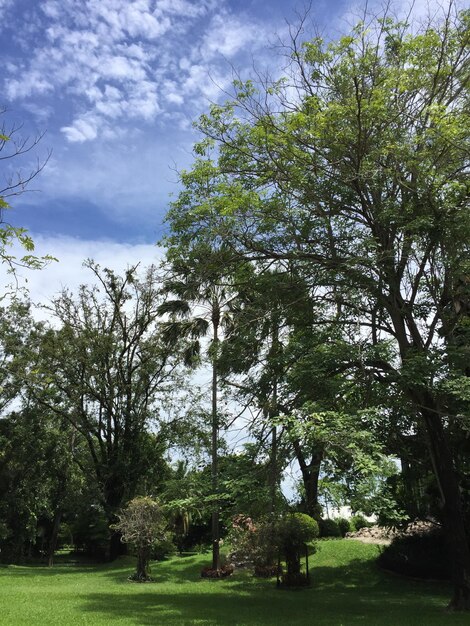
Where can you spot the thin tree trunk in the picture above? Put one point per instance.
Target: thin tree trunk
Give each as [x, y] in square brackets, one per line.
[215, 453]
[53, 540]
[273, 472]
[454, 522]
[143, 572]
[310, 477]
[273, 411]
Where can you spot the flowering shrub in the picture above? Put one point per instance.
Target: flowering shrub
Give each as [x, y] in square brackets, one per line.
[263, 543]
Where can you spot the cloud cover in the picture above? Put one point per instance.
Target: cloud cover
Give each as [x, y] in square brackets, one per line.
[118, 61]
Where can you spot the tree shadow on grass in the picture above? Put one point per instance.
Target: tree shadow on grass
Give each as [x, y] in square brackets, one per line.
[180, 570]
[116, 568]
[357, 597]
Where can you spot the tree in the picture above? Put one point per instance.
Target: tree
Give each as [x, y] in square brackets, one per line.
[37, 478]
[13, 146]
[205, 289]
[141, 523]
[253, 361]
[107, 371]
[362, 181]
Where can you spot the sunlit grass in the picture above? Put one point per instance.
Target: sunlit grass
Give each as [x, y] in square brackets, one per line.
[347, 589]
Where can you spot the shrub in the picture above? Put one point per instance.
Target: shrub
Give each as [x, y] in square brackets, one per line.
[162, 549]
[253, 542]
[261, 543]
[142, 525]
[294, 532]
[329, 528]
[343, 525]
[420, 556]
[359, 521]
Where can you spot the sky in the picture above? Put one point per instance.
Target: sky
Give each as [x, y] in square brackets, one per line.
[115, 86]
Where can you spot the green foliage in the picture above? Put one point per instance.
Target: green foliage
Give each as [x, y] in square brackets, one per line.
[295, 530]
[329, 528]
[264, 541]
[90, 530]
[359, 184]
[11, 148]
[142, 524]
[419, 556]
[107, 371]
[251, 541]
[344, 525]
[358, 521]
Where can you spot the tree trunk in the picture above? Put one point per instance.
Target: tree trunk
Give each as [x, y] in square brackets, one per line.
[116, 547]
[310, 476]
[454, 521]
[53, 539]
[273, 472]
[215, 450]
[143, 559]
[114, 496]
[272, 414]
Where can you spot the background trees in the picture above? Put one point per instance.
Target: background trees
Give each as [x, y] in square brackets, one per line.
[106, 371]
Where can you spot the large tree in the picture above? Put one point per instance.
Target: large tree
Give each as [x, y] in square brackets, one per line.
[202, 296]
[106, 370]
[355, 167]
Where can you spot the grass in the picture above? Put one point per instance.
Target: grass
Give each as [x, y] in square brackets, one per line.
[347, 590]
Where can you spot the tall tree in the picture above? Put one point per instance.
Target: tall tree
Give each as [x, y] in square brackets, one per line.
[202, 300]
[106, 370]
[362, 180]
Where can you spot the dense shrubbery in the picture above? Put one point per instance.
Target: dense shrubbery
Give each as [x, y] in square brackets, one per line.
[344, 525]
[420, 556]
[295, 533]
[329, 528]
[359, 521]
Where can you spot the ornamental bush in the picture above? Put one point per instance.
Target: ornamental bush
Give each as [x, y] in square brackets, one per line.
[294, 534]
[262, 543]
[142, 525]
[359, 521]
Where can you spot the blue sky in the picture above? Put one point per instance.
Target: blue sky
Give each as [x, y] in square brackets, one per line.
[116, 84]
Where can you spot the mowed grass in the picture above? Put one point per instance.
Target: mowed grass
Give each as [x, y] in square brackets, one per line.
[348, 589]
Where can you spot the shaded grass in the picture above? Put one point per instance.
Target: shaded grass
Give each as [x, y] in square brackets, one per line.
[348, 589]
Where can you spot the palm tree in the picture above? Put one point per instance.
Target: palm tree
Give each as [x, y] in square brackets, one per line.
[201, 308]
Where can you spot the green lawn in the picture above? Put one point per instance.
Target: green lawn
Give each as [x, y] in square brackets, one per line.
[348, 589]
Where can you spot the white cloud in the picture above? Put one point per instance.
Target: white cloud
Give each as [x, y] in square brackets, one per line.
[128, 60]
[69, 272]
[82, 129]
[29, 82]
[4, 6]
[228, 34]
[185, 8]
